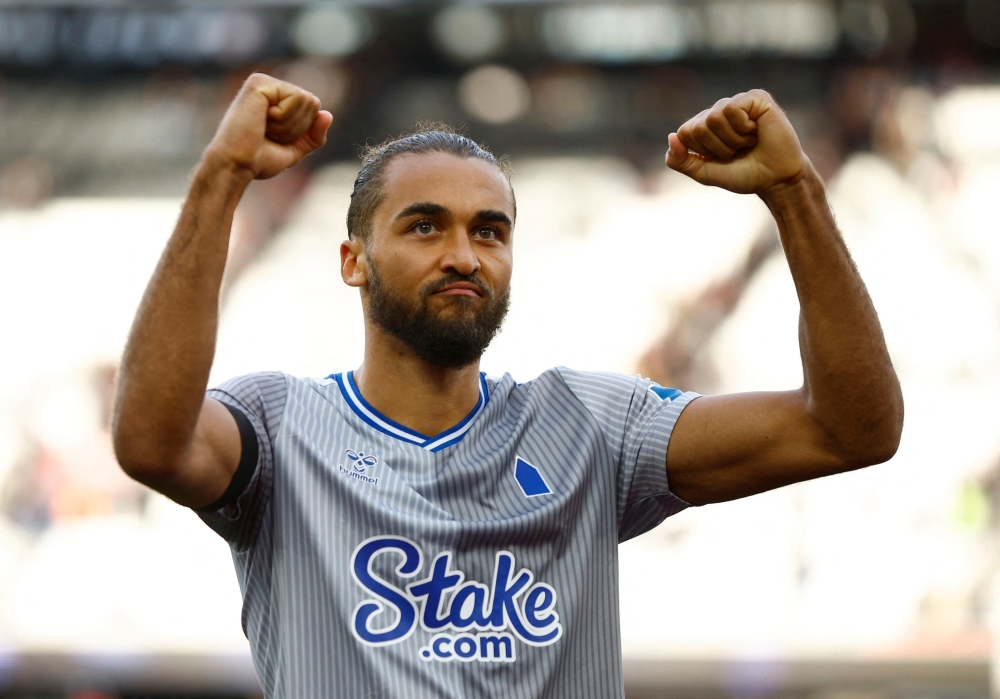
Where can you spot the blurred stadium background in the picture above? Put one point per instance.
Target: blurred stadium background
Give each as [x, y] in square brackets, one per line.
[880, 584]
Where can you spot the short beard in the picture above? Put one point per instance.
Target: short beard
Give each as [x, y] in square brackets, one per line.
[452, 343]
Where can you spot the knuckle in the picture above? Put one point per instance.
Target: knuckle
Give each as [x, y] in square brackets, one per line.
[689, 124]
[716, 119]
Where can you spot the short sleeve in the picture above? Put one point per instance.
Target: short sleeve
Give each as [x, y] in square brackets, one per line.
[260, 399]
[637, 418]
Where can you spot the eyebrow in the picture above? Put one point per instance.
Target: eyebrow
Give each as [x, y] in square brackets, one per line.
[494, 216]
[427, 208]
[422, 207]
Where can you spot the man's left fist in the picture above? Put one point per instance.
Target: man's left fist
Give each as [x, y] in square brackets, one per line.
[744, 144]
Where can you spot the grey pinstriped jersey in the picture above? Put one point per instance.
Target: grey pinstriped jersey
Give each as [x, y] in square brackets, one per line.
[482, 562]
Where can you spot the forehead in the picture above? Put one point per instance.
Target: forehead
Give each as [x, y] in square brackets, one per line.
[462, 185]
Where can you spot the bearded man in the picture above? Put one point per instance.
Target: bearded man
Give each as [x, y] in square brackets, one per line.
[414, 527]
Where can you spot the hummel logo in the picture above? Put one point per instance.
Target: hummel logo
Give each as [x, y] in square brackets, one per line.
[360, 460]
[360, 463]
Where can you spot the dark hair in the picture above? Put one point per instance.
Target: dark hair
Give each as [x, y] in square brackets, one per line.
[427, 138]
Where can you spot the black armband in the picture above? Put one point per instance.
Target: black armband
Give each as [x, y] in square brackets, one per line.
[248, 463]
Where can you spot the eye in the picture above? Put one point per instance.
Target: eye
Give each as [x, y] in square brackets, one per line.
[423, 227]
[487, 233]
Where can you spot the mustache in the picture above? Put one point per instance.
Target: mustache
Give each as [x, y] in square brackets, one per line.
[453, 278]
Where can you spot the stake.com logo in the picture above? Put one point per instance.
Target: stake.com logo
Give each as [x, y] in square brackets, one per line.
[492, 611]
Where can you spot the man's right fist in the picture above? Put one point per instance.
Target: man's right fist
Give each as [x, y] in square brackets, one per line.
[270, 126]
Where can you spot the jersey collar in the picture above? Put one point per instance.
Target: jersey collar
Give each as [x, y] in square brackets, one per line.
[380, 422]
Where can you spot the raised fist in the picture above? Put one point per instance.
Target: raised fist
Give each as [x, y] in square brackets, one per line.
[744, 144]
[270, 126]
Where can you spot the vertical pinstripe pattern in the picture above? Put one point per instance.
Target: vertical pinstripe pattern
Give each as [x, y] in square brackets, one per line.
[598, 440]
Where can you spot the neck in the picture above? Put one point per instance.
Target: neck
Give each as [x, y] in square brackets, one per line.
[417, 394]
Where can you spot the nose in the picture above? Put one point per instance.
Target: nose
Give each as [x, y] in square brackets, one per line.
[460, 254]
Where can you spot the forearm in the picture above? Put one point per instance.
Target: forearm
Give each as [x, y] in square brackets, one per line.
[165, 367]
[850, 388]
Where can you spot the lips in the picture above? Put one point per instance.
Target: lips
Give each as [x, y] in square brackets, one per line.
[460, 289]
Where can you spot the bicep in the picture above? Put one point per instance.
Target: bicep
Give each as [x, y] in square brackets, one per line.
[208, 468]
[731, 446]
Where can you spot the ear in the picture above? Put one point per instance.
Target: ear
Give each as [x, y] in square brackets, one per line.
[353, 263]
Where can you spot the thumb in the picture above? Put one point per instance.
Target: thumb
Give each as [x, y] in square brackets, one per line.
[682, 160]
[315, 137]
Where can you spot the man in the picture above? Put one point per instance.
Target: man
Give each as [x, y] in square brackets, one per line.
[414, 528]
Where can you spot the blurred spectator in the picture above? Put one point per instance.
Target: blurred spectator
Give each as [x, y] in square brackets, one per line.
[67, 469]
[678, 359]
[26, 183]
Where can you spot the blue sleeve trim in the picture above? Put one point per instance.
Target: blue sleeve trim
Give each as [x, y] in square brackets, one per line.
[665, 393]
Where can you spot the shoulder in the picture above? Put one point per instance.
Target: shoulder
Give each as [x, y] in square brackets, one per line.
[602, 382]
[611, 396]
[252, 387]
[560, 387]
[274, 386]
[562, 379]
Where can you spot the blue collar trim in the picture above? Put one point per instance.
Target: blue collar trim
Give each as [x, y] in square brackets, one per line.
[364, 410]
